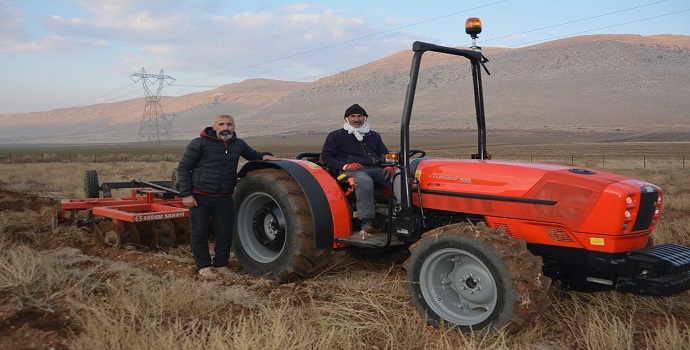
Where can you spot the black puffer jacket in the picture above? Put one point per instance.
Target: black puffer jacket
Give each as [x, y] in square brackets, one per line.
[209, 165]
[343, 148]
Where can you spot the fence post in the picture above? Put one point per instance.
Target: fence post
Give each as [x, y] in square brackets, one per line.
[530, 158]
[572, 160]
[95, 160]
[683, 161]
[644, 162]
[602, 161]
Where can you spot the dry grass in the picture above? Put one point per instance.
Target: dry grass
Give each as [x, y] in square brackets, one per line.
[183, 314]
[67, 180]
[351, 305]
[34, 279]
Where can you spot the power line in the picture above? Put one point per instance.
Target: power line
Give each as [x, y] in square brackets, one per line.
[123, 95]
[525, 43]
[574, 21]
[106, 94]
[600, 28]
[537, 41]
[399, 28]
[183, 84]
[344, 42]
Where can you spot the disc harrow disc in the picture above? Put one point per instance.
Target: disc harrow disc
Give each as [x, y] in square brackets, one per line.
[181, 230]
[109, 234]
[147, 236]
[165, 233]
[113, 239]
[130, 235]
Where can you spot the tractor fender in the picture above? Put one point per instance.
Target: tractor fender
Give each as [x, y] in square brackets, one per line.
[328, 204]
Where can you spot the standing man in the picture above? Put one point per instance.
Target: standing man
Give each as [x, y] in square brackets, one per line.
[207, 176]
[357, 150]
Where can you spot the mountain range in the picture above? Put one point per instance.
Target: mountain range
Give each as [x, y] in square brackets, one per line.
[637, 84]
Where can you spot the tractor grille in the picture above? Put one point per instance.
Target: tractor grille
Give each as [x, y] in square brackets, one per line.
[510, 229]
[558, 235]
[647, 208]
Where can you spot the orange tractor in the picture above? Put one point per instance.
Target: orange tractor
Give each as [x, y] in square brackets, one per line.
[483, 238]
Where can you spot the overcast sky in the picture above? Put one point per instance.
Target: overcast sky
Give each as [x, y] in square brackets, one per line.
[67, 53]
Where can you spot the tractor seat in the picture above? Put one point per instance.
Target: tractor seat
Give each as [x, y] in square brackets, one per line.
[315, 157]
[344, 182]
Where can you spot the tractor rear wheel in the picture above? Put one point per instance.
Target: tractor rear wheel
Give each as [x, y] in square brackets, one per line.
[91, 188]
[474, 277]
[274, 231]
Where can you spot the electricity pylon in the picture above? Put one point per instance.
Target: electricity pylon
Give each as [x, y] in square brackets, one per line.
[154, 125]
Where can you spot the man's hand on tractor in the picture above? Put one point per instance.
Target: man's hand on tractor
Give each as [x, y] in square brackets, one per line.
[389, 171]
[353, 167]
[269, 157]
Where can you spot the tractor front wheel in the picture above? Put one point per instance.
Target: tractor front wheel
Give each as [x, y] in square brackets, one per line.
[274, 231]
[473, 277]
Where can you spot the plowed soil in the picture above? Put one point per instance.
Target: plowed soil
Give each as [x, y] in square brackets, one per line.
[36, 328]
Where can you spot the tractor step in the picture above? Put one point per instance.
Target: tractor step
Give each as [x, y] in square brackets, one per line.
[377, 240]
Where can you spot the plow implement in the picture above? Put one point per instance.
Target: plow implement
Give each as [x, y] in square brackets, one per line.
[152, 215]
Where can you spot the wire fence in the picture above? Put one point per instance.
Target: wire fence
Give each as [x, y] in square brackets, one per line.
[606, 161]
[22, 158]
[588, 160]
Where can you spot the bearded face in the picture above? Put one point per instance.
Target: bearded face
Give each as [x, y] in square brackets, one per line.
[225, 135]
[224, 127]
[356, 120]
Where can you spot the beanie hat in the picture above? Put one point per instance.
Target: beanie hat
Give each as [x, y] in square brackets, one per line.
[355, 109]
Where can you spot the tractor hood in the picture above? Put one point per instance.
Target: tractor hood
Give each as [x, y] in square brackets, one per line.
[543, 192]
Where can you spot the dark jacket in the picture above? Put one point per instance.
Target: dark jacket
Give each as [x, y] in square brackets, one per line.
[209, 165]
[343, 148]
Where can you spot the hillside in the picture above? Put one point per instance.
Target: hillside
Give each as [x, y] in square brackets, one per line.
[620, 82]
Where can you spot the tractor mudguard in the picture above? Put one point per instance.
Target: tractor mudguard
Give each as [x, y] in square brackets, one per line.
[328, 205]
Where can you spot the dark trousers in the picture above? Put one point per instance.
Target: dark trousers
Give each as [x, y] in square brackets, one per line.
[365, 179]
[221, 209]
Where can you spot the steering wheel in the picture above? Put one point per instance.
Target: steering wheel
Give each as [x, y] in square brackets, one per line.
[414, 152]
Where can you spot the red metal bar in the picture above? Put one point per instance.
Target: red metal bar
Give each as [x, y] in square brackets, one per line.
[142, 212]
[88, 203]
[142, 205]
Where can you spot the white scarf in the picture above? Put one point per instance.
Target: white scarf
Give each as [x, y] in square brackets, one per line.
[358, 132]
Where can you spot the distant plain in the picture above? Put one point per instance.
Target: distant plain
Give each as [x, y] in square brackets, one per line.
[593, 148]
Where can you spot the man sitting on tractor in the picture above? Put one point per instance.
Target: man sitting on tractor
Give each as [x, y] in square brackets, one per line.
[357, 150]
